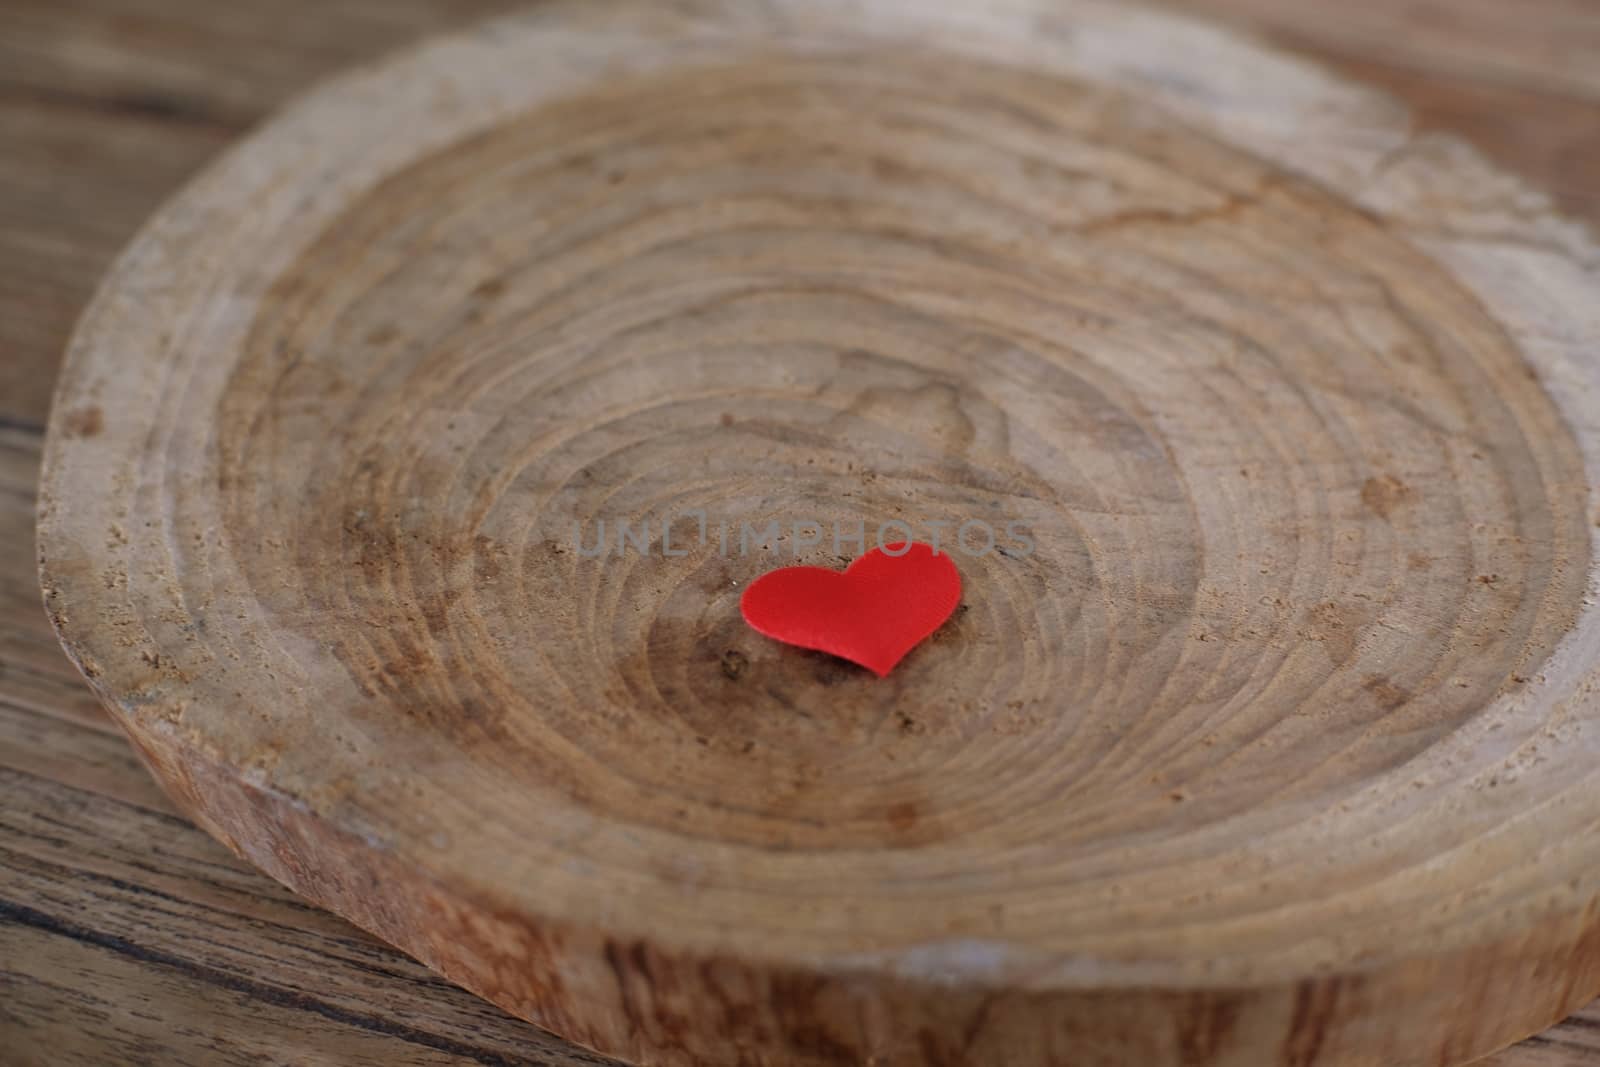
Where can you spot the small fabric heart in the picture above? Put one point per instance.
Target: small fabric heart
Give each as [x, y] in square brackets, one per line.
[872, 613]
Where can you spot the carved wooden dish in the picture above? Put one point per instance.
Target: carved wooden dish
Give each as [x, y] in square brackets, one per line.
[1279, 746]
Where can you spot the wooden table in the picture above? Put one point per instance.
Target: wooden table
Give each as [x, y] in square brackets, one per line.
[128, 936]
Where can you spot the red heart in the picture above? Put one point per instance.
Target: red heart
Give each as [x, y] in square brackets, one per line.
[872, 613]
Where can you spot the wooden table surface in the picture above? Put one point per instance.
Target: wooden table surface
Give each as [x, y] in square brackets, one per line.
[127, 935]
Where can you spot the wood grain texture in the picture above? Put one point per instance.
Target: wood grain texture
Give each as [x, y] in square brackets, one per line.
[56, 240]
[1275, 750]
[1520, 81]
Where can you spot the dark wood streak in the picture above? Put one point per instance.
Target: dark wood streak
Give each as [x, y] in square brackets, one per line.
[20, 914]
[1205, 1027]
[1315, 1006]
[13, 424]
[133, 106]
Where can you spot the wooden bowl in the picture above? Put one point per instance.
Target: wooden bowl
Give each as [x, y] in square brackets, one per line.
[1275, 743]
